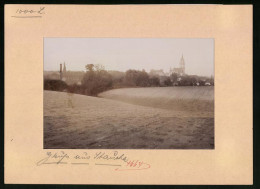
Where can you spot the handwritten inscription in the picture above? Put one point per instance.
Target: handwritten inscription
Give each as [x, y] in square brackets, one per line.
[115, 156]
[29, 13]
[134, 165]
[120, 160]
[56, 158]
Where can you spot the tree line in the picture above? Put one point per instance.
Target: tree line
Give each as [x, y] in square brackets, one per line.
[96, 80]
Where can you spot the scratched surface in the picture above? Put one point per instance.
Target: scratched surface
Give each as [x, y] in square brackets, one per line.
[83, 122]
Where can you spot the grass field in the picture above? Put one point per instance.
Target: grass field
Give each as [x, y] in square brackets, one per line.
[172, 98]
[131, 118]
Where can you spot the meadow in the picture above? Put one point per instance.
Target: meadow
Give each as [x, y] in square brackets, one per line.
[131, 118]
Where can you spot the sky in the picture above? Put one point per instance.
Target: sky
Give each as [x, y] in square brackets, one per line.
[122, 54]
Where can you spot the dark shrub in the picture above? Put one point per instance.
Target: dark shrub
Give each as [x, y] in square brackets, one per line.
[168, 82]
[136, 78]
[95, 81]
[75, 89]
[154, 81]
[55, 85]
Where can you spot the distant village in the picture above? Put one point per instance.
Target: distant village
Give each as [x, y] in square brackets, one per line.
[174, 77]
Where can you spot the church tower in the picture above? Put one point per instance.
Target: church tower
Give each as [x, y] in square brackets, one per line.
[64, 68]
[60, 71]
[182, 65]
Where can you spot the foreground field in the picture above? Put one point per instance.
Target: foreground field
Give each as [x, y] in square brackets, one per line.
[83, 122]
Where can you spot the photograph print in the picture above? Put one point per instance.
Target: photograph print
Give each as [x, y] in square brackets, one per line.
[128, 93]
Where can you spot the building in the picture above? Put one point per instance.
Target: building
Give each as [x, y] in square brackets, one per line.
[181, 69]
[157, 72]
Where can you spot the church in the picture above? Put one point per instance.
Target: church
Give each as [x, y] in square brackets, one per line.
[181, 69]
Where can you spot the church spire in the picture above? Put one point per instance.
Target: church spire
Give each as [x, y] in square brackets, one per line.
[182, 65]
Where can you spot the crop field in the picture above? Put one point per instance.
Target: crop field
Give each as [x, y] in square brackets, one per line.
[131, 118]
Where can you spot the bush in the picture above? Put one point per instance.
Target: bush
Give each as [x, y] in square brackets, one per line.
[168, 82]
[95, 81]
[55, 85]
[154, 81]
[136, 78]
[75, 89]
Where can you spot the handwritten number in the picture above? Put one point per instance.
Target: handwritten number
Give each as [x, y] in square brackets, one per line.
[41, 9]
[29, 12]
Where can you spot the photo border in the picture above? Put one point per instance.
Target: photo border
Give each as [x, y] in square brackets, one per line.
[256, 88]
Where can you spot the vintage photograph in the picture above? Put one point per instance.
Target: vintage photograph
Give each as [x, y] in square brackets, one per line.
[128, 93]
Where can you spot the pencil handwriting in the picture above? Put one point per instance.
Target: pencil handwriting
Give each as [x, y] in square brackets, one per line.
[112, 159]
[29, 13]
